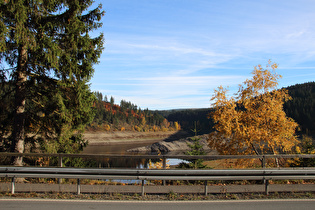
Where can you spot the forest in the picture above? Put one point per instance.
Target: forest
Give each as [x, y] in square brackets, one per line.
[302, 106]
[126, 117]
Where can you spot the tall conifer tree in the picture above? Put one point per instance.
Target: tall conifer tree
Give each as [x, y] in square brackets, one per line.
[48, 47]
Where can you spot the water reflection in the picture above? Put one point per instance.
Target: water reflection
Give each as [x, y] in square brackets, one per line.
[117, 147]
[134, 162]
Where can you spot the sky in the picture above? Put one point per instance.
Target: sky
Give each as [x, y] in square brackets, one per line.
[172, 54]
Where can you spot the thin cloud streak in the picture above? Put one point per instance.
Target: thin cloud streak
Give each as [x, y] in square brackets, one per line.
[171, 92]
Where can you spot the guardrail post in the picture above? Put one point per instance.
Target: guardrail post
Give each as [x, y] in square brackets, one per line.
[267, 187]
[60, 164]
[206, 188]
[164, 167]
[142, 187]
[78, 187]
[13, 185]
[264, 162]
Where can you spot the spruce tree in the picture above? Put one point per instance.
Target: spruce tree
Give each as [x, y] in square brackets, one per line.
[50, 54]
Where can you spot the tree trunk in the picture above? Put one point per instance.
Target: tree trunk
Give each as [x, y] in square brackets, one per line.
[18, 133]
[276, 159]
[257, 153]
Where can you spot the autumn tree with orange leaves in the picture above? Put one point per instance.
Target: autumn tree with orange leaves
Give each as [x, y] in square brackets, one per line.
[253, 121]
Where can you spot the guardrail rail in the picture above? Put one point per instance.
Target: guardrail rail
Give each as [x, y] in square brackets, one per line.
[158, 174]
[60, 156]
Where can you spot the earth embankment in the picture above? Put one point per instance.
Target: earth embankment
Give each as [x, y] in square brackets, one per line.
[171, 142]
[103, 138]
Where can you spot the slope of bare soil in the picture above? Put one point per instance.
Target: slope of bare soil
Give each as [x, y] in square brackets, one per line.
[102, 138]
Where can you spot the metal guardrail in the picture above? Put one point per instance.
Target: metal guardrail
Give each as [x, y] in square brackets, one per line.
[147, 174]
[205, 157]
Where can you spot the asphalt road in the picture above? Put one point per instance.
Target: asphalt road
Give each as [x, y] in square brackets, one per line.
[34, 204]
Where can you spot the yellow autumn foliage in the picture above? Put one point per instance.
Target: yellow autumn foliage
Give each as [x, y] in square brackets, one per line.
[158, 164]
[253, 121]
[106, 127]
[177, 126]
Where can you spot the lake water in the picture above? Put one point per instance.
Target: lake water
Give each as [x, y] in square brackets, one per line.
[117, 147]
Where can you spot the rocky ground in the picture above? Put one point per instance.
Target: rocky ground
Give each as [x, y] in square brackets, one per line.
[170, 146]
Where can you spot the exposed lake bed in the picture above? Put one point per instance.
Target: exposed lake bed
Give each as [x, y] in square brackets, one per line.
[127, 143]
[121, 141]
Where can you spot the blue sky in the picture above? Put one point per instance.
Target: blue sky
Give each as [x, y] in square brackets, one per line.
[169, 54]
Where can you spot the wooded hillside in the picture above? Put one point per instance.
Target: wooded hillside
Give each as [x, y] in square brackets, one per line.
[302, 106]
[127, 116]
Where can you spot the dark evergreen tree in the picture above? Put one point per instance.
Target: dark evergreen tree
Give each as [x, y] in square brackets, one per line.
[195, 149]
[112, 100]
[46, 44]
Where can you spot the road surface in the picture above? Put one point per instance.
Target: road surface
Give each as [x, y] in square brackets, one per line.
[34, 204]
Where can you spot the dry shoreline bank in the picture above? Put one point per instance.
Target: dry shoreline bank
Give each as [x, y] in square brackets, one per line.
[120, 137]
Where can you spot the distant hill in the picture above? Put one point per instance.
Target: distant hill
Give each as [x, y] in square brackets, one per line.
[190, 119]
[301, 108]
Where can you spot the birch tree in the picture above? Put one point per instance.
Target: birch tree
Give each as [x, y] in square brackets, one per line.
[253, 121]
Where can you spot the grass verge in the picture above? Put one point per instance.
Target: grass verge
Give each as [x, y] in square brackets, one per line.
[165, 197]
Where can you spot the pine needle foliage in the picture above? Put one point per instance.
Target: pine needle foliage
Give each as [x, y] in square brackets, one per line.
[47, 55]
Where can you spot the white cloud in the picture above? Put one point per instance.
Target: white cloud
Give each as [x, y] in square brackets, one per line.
[295, 35]
[172, 92]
